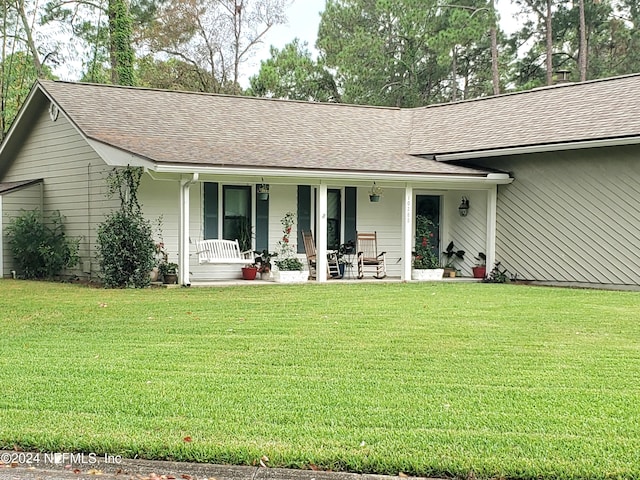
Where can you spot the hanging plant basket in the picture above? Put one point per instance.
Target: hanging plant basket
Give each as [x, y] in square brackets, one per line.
[375, 193]
[262, 190]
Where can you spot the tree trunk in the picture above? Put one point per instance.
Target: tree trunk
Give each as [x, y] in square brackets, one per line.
[582, 53]
[549, 40]
[495, 73]
[454, 75]
[30, 43]
[122, 56]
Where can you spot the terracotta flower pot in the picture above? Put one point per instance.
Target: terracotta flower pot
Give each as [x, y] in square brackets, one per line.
[479, 271]
[249, 273]
[170, 278]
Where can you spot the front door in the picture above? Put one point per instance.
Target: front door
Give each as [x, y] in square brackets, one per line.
[236, 223]
[429, 206]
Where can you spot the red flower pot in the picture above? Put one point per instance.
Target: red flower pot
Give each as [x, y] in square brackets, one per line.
[249, 273]
[479, 272]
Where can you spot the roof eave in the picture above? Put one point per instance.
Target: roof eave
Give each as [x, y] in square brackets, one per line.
[319, 174]
[551, 147]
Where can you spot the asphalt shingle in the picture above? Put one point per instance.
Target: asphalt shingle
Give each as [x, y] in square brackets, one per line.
[218, 130]
[596, 110]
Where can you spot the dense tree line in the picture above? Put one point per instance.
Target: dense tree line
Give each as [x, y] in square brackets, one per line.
[382, 52]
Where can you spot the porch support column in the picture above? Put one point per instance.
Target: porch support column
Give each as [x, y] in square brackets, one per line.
[407, 230]
[321, 235]
[492, 205]
[183, 231]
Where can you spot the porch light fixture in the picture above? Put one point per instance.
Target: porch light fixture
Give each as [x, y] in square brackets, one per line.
[463, 209]
[262, 190]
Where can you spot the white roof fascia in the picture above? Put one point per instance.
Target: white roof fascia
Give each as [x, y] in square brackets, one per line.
[609, 142]
[115, 157]
[490, 178]
[17, 119]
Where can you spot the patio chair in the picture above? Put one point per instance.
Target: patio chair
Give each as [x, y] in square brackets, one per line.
[333, 271]
[368, 256]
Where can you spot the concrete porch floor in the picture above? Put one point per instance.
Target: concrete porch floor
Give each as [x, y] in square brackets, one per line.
[240, 282]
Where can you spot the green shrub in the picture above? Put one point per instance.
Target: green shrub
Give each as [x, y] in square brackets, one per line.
[125, 250]
[125, 247]
[40, 246]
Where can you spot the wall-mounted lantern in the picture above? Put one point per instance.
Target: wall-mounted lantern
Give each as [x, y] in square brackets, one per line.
[463, 209]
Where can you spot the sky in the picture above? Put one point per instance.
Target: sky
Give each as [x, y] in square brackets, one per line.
[303, 21]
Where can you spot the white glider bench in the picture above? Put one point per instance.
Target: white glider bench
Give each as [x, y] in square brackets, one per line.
[222, 252]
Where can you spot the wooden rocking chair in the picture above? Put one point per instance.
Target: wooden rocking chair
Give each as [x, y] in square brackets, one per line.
[368, 256]
[333, 270]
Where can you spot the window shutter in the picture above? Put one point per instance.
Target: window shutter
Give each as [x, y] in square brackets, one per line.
[350, 209]
[304, 213]
[262, 224]
[210, 210]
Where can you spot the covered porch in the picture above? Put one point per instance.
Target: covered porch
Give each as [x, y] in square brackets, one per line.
[333, 206]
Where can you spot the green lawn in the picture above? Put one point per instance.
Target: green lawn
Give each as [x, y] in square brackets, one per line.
[491, 381]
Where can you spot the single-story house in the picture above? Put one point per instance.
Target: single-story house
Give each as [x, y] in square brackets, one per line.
[551, 176]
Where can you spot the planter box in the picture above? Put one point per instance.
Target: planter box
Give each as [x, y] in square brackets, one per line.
[429, 274]
[291, 276]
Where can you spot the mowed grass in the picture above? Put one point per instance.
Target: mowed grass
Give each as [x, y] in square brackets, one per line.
[439, 379]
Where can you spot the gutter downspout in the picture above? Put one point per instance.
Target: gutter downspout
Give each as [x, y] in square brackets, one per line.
[183, 230]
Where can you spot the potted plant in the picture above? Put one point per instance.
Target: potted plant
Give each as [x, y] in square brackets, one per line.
[375, 193]
[169, 272]
[345, 256]
[480, 270]
[452, 255]
[262, 190]
[289, 265]
[426, 264]
[249, 271]
[161, 256]
[263, 262]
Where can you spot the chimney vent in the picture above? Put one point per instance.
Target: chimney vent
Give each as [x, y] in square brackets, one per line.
[563, 76]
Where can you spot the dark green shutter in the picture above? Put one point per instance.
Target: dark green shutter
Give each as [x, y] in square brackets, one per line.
[304, 213]
[210, 210]
[350, 209]
[262, 224]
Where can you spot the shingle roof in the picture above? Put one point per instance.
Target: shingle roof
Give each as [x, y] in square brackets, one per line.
[218, 130]
[600, 109]
[206, 129]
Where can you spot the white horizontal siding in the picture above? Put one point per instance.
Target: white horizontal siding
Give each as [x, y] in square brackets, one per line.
[384, 218]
